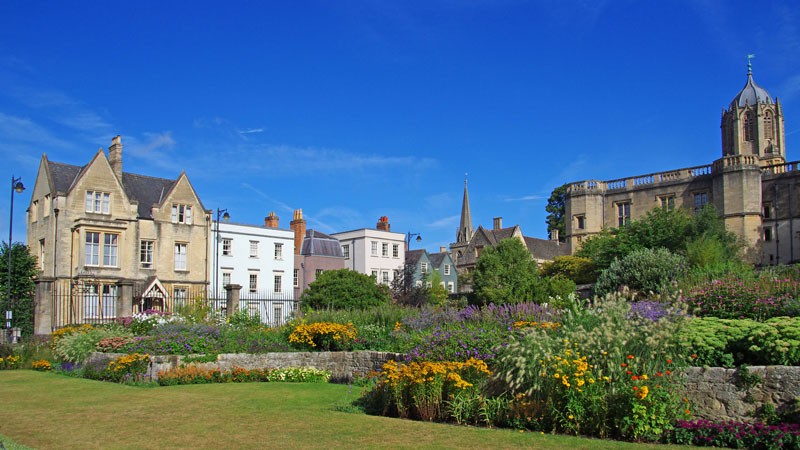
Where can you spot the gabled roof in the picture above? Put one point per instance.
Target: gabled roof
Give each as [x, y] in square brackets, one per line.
[545, 249]
[145, 190]
[320, 244]
[437, 258]
[413, 256]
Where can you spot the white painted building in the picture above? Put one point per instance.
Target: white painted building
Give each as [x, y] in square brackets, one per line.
[374, 251]
[261, 260]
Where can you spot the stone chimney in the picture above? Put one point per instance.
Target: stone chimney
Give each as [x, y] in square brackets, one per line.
[271, 221]
[498, 223]
[298, 225]
[115, 157]
[554, 236]
[383, 224]
[442, 249]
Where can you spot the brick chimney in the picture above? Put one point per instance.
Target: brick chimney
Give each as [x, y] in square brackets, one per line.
[442, 249]
[271, 221]
[115, 156]
[383, 224]
[298, 225]
[498, 223]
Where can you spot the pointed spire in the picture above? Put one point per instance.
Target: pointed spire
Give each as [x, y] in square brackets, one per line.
[464, 233]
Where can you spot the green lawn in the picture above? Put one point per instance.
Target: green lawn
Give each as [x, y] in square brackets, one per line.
[44, 411]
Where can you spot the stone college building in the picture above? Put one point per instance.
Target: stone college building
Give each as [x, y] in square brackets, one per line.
[751, 185]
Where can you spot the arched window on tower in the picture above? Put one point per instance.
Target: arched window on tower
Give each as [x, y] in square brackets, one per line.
[749, 126]
[769, 129]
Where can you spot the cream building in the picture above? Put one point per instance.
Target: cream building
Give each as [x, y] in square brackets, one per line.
[112, 243]
[752, 186]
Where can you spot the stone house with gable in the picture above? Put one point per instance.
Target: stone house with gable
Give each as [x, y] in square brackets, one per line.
[112, 243]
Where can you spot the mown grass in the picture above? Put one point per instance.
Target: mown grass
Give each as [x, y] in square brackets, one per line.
[49, 411]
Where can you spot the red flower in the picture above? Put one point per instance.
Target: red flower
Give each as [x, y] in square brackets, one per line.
[628, 372]
[659, 374]
[623, 365]
[631, 356]
[669, 361]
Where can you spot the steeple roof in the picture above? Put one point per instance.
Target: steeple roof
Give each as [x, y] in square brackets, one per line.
[464, 233]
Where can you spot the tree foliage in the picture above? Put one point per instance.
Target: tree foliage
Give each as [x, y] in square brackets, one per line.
[405, 291]
[24, 267]
[675, 230]
[344, 289]
[505, 274]
[556, 211]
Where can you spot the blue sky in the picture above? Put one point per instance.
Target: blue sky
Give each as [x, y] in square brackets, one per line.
[352, 110]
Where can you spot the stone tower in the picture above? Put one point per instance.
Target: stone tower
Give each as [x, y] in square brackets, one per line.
[752, 138]
[753, 125]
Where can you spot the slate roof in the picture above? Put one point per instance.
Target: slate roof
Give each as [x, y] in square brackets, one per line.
[320, 244]
[413, 256]
[63, 175]
[545, 249]
[145, 190]
[436, 258]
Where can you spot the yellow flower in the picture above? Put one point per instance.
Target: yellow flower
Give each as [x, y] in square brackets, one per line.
[642, 392]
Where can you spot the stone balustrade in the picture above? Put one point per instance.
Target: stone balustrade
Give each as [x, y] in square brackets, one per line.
[590, 186]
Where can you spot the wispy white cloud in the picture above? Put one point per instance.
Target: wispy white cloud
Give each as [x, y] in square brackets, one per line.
[21, 129]
[445, 222]
[86, 121]
[525, 198]
[251, 131]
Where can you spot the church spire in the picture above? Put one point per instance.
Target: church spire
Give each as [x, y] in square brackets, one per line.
[464, 233]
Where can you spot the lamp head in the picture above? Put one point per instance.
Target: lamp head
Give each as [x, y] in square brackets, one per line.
[19, 187]
[226, 217]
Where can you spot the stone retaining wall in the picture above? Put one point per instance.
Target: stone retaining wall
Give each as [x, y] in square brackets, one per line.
[716, 393]
[343, 365]
[724, 394]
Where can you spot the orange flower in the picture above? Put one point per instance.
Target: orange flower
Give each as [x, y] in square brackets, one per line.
[636, 388]
[628, 372]
[634, 378]
[669, 361]
[659, 374]
[669, 372]
[694, 355]
[631, 356]
[623, 365]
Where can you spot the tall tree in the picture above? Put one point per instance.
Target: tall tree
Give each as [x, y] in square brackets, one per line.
[556, 210]
[505, 274]
[24, 268]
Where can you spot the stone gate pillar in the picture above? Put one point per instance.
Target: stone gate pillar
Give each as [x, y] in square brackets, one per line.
[232, 297]
[125, 299]
[43, 300]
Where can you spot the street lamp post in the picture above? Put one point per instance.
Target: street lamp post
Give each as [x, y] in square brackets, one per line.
[18, 187]
[225, 216]
[409, 235]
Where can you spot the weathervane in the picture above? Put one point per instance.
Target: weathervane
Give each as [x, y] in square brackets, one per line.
[750, 57]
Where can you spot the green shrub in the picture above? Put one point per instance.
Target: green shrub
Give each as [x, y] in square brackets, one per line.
[579, 269]
[344, 289]
[76, 347]
[730, 342]
[644, 270]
